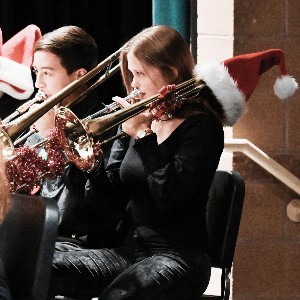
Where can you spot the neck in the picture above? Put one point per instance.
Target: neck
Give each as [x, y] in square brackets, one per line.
[164, 129]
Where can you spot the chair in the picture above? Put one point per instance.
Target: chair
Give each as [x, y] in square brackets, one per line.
[224, 209]
[27, 239]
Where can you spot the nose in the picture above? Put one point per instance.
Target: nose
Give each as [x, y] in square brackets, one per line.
[134, 83]
[39, 82]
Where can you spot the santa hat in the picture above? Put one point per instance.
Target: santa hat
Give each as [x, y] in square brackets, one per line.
[234, 80]
[16, 57]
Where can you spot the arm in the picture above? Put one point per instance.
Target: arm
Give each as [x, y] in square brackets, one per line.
[184, 171]
[117, 153]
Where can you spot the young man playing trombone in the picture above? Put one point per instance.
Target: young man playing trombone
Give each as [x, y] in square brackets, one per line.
[60, 58]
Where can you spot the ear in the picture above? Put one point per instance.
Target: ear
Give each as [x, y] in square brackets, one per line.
[80, 72]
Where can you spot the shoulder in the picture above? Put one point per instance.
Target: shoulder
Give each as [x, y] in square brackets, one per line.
[34, 139]
[202, 121]
[203, 130]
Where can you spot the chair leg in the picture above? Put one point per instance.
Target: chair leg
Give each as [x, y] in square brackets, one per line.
[77, 298]
[68, 298]
[227, 281]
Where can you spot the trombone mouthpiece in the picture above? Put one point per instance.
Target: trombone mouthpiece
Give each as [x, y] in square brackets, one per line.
[40, 96]
[135, 95]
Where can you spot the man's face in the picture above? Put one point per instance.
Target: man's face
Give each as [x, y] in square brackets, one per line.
[51, 76]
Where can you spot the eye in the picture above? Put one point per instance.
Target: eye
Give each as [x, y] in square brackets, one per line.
[137, 73]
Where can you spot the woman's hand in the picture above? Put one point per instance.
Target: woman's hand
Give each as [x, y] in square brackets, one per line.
[139, 122]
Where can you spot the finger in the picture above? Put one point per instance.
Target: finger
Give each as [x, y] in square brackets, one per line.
[121, 101]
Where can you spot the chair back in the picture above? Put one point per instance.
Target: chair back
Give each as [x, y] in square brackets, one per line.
[27, 240]
[224, 210]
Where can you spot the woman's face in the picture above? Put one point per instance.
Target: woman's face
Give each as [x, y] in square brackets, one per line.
[148, 79]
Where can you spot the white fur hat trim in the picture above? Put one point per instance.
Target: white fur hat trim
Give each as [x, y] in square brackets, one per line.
[217, 78]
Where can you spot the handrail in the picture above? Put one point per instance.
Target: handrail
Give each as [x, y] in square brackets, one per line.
[273, 167]
[261, 158]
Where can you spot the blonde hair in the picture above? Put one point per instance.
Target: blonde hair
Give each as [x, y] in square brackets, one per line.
[4, 188]
[161, 47]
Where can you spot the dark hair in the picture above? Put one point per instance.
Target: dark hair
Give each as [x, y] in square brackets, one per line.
[75, 47]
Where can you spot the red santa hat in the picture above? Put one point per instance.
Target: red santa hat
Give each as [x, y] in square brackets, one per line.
[234, 80]
[16, 57]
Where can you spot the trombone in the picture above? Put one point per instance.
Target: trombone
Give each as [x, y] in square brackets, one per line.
[21, 120]
[12, 129]
[114, 106]
[78, 143]
[40, 96]
[39, 166]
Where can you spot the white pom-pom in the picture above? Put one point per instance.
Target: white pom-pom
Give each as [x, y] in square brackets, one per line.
[285, 87]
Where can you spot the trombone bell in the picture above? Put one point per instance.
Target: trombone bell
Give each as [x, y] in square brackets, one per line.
[73, 135]
[6, 143]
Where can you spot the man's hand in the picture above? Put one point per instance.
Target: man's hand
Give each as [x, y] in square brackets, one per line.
[45, 123]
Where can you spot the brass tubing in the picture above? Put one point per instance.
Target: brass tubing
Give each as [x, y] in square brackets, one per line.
[14, 128]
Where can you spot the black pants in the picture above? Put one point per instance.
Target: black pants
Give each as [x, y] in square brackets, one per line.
[113, 274]
[4, 290]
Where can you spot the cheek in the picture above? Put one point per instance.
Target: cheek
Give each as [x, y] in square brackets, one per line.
[154, 88]
[54, 86]
[60, 83]
[150, 87]
[150, 91]
[158, 82]
[162, 82]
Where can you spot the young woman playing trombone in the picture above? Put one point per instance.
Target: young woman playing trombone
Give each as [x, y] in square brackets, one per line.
[167, 170]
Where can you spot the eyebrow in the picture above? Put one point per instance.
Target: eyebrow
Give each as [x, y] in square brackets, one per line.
[44, 68]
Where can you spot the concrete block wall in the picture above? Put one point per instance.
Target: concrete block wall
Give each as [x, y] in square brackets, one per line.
[267, 258]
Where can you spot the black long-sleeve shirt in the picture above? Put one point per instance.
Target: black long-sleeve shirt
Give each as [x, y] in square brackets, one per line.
[168, 184]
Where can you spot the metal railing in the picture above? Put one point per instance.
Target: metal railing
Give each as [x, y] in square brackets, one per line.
[270, 165]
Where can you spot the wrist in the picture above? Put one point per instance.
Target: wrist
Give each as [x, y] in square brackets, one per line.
[143, 132]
